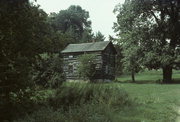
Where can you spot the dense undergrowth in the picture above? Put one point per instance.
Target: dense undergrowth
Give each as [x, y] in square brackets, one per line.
[79, 102]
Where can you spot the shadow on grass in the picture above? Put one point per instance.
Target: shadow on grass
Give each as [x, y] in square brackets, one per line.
[138, 82]
[174, 81]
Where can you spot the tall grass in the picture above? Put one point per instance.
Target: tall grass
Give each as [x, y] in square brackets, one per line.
[81, 102]
[80, 93]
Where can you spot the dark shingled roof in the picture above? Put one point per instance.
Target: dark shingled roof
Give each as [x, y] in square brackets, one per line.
[86, 47]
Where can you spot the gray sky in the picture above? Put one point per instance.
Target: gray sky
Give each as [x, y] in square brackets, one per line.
[101, 11]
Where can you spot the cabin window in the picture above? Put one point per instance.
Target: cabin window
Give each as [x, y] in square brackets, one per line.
[106, 69]
[70, 56]
[98, 66]
[70, 69]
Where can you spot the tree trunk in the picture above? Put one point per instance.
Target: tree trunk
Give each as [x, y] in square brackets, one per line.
[167, 74]
[133, 76]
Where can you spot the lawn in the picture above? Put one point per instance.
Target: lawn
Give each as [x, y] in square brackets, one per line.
[156, 102]
[151, 76]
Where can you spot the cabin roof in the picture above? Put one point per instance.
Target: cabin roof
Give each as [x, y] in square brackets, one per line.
[86, 47]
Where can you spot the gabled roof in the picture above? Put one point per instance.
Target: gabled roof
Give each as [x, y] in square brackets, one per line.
[86, 47]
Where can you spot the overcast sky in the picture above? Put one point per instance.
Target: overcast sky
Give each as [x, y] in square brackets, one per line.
[101, 11]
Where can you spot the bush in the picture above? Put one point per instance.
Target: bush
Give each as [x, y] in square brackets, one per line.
[48, 72]
[87, 67]
[18, 104]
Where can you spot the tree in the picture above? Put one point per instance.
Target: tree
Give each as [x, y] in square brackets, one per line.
[166, 15]
[99, 37]
[59, 41]
[159, 35]
[72, 21]
[48, 72]
[23, 36]
[86, 69]
[128, 28]
[87, 35]
[131, 61]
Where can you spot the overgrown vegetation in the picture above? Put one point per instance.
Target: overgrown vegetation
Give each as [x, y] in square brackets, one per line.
[80, 102]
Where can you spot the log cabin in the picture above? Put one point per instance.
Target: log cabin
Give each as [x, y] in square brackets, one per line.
[105, 60]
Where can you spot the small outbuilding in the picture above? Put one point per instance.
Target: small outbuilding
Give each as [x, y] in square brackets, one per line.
[105, 59]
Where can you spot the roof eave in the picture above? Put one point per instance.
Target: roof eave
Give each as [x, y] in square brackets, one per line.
[82, 51]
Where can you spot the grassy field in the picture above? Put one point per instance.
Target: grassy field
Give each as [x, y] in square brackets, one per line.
[113, 102]
[155, 102]
[158, 102]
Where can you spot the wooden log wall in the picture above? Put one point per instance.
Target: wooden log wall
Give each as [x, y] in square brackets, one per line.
[72, 59]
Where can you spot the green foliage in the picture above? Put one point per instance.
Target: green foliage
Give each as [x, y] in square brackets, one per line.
[147, 26]
[18, 104]
[78, 94]
[131, 60]
[128, 28]
[41, 97]
[87, 35]
[43, 115]
[85, 113]
[59, 41]
[81, 102]
[86, 69]
[99, 37]
[73, 22]
[48, 72]
[20, 42]
[146, 102]
[23, 36]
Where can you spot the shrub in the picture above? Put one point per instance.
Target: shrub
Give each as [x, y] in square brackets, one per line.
[19, 103]
[87, 67]
[48, 72]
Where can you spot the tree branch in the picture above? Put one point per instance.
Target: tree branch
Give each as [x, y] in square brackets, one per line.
[157, 20]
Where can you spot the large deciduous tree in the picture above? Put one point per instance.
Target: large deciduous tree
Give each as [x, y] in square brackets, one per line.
[159, 32]
[73, 21]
